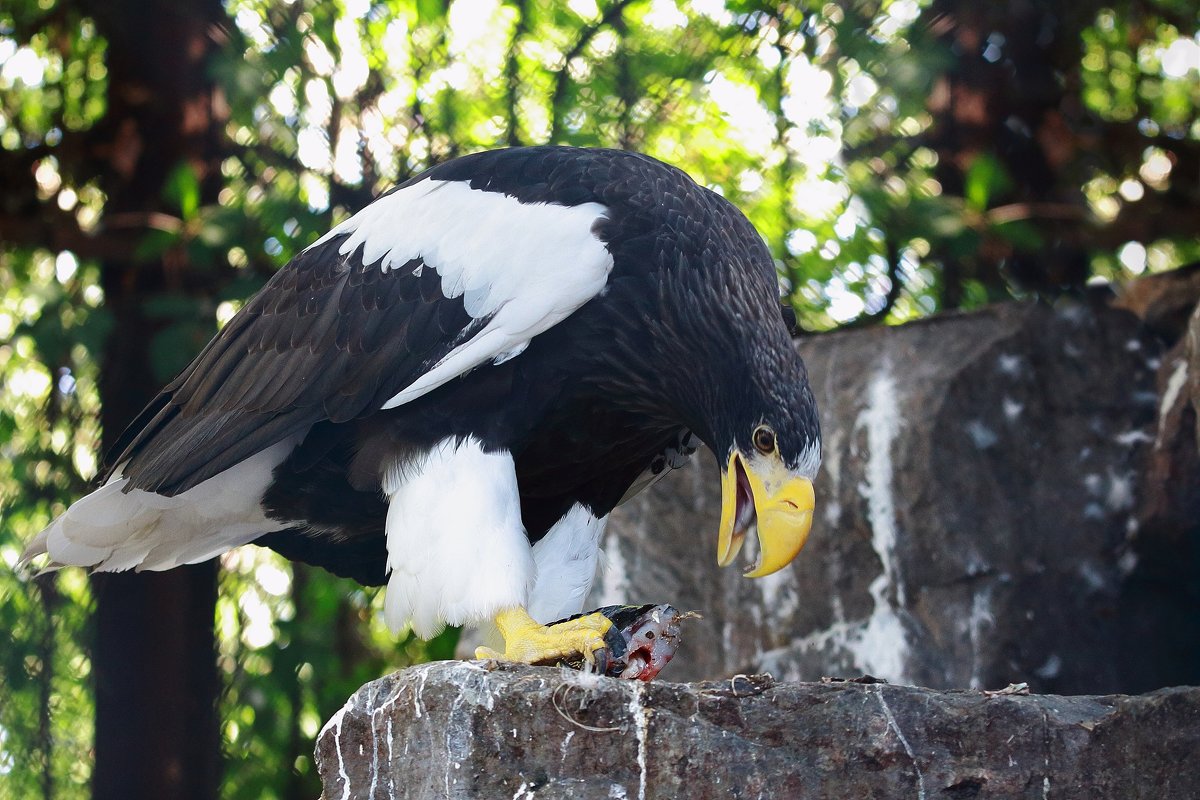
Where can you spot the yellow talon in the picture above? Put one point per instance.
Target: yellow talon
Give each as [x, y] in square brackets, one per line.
[530, 643]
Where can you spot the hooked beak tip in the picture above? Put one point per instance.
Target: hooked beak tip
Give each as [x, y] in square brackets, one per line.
[781, 505]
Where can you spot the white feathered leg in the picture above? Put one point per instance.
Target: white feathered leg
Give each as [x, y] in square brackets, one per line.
[457, 550]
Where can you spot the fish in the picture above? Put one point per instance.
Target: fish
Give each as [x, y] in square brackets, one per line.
[641, 641]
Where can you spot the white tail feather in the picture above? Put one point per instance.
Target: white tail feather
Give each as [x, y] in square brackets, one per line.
[111, 530]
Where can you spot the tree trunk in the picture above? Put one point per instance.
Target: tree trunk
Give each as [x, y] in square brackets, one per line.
[157, 732]
[1006, 108]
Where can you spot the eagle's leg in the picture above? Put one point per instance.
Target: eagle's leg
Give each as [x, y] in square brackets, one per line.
[529, 642]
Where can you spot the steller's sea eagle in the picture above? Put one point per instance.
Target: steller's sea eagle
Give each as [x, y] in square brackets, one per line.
[450, 391]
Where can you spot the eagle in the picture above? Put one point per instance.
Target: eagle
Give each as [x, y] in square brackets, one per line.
[449, 392]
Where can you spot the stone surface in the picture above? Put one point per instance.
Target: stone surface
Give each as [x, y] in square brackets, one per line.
[978, 519]
[464, 730]
[1163, 301]
[1162, 596]
[1192, 354]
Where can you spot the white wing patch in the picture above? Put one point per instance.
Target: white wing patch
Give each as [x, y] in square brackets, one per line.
[523, 266]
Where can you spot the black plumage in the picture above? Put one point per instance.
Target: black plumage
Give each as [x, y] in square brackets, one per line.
[686, 335]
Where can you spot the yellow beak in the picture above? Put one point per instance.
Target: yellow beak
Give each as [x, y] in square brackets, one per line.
[782, 503]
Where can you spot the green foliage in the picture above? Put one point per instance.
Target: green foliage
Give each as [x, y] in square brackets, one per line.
[295, 644]
[49, 324]
[820, 120]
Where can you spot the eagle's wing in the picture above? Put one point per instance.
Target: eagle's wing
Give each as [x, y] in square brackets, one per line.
[425, 284]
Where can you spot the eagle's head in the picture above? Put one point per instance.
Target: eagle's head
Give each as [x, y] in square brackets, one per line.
[757, 412]
[769, 450]
[728, 365]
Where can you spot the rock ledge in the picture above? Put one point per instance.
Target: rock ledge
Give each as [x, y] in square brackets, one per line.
[482, 730]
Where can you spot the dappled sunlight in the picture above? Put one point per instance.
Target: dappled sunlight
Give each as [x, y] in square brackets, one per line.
[892, 167]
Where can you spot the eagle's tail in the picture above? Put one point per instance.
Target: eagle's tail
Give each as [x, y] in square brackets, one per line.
[117, 528]
[108, 529]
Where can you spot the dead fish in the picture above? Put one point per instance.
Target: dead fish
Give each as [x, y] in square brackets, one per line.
[641, 641]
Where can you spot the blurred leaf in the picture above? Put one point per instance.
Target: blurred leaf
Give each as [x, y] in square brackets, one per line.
[182, 190]
[175, 346]
[985, 178]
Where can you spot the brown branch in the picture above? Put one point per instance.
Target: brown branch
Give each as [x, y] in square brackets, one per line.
[1014, 212]
[58, 230]
[144, 220]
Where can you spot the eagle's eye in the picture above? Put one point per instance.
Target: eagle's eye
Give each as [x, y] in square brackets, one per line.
[764, 439]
